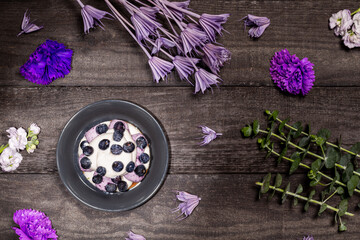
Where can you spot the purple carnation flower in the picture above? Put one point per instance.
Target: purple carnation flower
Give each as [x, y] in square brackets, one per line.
[33, 225]
[291, 74]
[51, 60]
[257, 25]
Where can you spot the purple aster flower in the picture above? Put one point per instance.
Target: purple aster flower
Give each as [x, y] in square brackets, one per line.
[33, 225]
[291, 74]
[204, 80]
[209, 135]
[212, 24]
[92, 16]
[192, 38]
[189, 203]
[28, 27]
[133, 236]
[184, 67]
[51, 60]
[257, 25]
[215, 56]
[160, 68]
[308, 238]
[341, 22]
[162, 42]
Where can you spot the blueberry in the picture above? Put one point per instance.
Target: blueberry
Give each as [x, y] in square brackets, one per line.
[144, 158]
[122, 186]
[85, 163]
[116, 149]
[117, 166]
[117, 136]
[140, 170]
[102, 128]
[110, 187]
[141, 142]
[97, 179]
[116, 180]
[130, 167]
[88, 150]
[119, 126]
[83, 144]
[101, 171]
[104, 144]
[128, 147]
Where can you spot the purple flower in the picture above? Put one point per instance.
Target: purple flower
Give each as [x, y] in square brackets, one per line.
[176, 13]
[189, 203]
[144, 26]
[51, 60]
[192, 38]
[204, 80]
[160, 68]
[28, 27]
[308, 238]
[209, 135]
[215, 56]
[341, 21]
[184, 67]
[33, 225]
[212, 24]
[291, 74]
[351, 39]
[162, 42]
[257, 25]
[133, 236]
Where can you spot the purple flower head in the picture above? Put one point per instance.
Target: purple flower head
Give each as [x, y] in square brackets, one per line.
[162, 42]
[92, 16]
[308, 238]
[176, 13]
[212, 24]
[184, 67]
[33, 225]
[204, 80]
[26, 26]
[192, 38]
[133, 236]
[209, 135]
[160, 68]
[189, 203]
[144, 25]
[51, 60]
[256, 24]
[341, 21]
[291, 74]
[215, 56]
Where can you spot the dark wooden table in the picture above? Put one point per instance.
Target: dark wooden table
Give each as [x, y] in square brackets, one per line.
[109, 65]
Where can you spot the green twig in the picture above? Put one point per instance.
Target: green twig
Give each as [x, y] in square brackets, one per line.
[3, 147]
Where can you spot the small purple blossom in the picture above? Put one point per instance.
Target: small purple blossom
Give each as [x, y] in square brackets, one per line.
[51, 60]
[28, 27]
[204, 80]
[178, 14]
[143, 25]
[160, 68]
[215, 56]
[209, 135]
[33, 225]
[212, 24]
[188, 203]
[184, 67]
[308, 238]
[192, 38]
[133, 236]
[162, 42]
[341, 22]
[291, 74]
[257, 25]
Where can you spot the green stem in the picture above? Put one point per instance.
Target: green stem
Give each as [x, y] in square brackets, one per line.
[304, 198]
[330, 196]
[3, 147]
[355, 12]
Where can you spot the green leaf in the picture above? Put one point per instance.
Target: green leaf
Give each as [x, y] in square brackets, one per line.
[299, 128]
[355, 148]
[315, 181]
[299, 189]
[295, 164]
[352, 184]
[282, 154]
[271, 129]
[323, 207]
[284, 195]
[274, 115]
[266, 183]
[246, 131]
[311, 195]
[256, 127]
[332, 157]
[345, 159]
[270, 151]
[268, 112]
[304, 142]
[340, 190]
[282, 125]
[316, 165]
[342, 227]
[278, 180]
[324, 133]
[343, 206]
[348, 172]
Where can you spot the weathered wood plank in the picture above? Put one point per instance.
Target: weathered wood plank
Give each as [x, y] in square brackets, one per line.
[226, 111]
[112, 58]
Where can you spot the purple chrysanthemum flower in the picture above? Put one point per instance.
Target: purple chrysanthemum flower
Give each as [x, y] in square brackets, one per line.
[204, 80]
[133, 236]
[215, 56]
[257, 25]
[162, 42]
[291, 74]
[160, 68]
[184, 67]
[33, 225]
[51, 60]
[192, 38]
[308, 238]
[92, 16]
[26, 26]
[212, 24]
[189, 203]
[209, 135]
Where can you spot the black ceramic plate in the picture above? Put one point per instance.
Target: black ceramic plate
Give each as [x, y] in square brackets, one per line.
[67, 157]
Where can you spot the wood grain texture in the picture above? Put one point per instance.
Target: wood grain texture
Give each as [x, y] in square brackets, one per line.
[229, 209]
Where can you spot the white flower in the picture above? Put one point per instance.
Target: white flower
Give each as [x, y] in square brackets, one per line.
[10, 159]
[341, 21]
[34, 129]
[18, 138]
[30, 147]
[356, 26]
[351, 39]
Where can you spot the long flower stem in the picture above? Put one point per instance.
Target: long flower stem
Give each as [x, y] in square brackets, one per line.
[304, 198]
[180, 9]
[80, 3]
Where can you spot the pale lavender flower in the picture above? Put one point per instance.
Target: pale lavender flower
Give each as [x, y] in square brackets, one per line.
[204, 80]
[192, 38]
[215, 56]
[10, 159]
[162, 42]
[209, 135]
[184, 67]
[257, 25]
[308, 238]
[34, 128]
[341, 21]
[28, 27]
[17, 138]
[356, 25]
[160, 68]
[143, 26]
[92, 16]
[177, 13]
[351, 39]
[189, 203]
[133, 236]
[212, 24]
